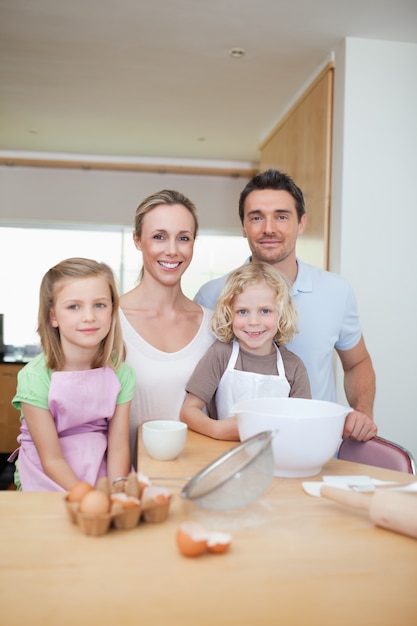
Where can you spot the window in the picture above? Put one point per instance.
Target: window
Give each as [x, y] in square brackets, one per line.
[26, 253]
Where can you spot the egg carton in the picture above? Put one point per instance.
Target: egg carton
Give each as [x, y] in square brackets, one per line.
[152, 507]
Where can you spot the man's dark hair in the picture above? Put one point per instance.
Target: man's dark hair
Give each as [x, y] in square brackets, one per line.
[277, 180]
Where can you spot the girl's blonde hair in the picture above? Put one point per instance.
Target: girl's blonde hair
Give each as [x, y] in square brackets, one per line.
[111, 350]
[236, 283]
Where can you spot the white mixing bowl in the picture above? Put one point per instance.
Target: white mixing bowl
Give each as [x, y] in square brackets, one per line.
[308, 431]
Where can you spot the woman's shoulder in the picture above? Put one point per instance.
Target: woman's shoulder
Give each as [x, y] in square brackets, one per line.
[132, 308]
[206, 311]
[128, 299]
[205, 324]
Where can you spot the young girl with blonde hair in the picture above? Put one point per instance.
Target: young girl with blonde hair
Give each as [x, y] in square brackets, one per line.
[74, 397]
[254, 317]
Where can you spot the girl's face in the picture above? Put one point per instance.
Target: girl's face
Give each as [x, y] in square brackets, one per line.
[255, 319]
[83, 312]
[167, 242]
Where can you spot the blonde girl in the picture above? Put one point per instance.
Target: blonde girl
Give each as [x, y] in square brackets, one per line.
[74, 397]
[254, 317]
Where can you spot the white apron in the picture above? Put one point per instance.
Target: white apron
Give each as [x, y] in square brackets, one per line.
[236, 385]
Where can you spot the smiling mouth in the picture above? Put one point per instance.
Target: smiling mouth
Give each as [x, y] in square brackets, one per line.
[254, 334]
[169, 266]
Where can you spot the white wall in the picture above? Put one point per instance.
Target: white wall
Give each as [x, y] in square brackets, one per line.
[374, 216]
[111, 197]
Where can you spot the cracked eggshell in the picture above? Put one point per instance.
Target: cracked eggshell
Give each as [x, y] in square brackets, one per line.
[191, 539]
[218, 543]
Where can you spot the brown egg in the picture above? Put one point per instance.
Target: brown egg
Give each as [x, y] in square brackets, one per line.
[218, 543]
[191, 539]
[77, 493]
[95, 502]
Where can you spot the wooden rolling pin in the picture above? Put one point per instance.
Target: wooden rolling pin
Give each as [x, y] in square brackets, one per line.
[394, 511]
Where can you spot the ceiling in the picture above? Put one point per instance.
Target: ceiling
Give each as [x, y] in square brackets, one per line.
[154, 78]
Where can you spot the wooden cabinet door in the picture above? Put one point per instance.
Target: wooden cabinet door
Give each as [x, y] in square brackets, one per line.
[301, 146]
[9, 416]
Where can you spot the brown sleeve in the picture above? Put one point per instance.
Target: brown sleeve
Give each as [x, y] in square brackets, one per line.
[296, 374]
[208, 372]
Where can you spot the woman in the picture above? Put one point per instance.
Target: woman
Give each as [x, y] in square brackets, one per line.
[165, 332]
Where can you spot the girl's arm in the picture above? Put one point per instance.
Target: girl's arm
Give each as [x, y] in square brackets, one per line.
[42, 429]
[118, 450]
[198, 421]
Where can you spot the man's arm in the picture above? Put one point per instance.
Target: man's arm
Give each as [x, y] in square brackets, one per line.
[359, 383]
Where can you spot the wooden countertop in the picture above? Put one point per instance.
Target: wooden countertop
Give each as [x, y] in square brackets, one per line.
[295, 560]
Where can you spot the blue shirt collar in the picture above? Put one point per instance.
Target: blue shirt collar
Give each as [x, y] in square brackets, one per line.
[303, 283]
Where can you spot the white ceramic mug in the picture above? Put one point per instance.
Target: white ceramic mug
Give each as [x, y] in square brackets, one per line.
[164, 440]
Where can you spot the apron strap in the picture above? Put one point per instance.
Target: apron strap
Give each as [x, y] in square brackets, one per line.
[280, 363]
[233, 357]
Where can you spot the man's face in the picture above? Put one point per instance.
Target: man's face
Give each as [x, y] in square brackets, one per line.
[271, 226]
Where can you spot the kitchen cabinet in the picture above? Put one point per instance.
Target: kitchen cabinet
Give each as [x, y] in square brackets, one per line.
[9, 416]
[301, 146]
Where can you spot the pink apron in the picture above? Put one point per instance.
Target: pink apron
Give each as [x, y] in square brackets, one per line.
[81, 403]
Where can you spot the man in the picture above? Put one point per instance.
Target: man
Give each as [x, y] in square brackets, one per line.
[272, 213]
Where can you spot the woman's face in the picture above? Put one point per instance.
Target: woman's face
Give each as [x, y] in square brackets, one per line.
[167, 242]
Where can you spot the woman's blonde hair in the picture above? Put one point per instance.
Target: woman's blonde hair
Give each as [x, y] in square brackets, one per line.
[168, 197]
[236, 283]
[111, 350]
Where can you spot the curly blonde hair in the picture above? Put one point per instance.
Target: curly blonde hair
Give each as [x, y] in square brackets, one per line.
[236, 283]
[111, 350]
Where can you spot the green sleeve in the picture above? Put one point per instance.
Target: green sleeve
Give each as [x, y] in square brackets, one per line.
[33, 382]
[127, 379]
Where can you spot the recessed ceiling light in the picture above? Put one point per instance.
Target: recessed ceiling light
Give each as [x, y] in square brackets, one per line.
[236, 53]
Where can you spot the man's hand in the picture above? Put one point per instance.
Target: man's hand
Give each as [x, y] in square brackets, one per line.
[359, 426]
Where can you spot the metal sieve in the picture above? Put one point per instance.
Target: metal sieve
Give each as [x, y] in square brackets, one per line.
[236, 478]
